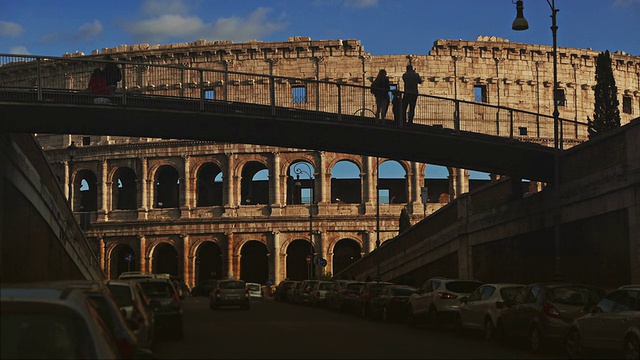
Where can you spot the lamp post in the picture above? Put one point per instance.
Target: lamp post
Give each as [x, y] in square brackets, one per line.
[520, 23]
[309, 172]
[72, 154]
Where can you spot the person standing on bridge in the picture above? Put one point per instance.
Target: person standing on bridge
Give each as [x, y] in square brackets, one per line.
[380, 90]
[411, 80]
[112, 74]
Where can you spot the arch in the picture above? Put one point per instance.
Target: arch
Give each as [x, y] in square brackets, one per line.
[436, 179]
[166, 187]
[392, 183]
[208, 262]
[118, 260]
[254, 190]
[85, 191]
[254, 264]
[346, 186]
[296, 264]
[165, 259]
[303, 192]
[345, 253]
[124, 189]
[209, 187]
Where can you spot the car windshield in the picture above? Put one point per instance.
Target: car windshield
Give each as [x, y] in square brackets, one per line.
[508, 293]
[573, 295]
[402, 292]
[462, 286]
[254, 287]
[152, 288]
[376, 288]
[232, 285]
[35, 330]
[122, 294]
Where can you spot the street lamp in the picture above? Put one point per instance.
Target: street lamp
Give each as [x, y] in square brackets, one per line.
[520, 23]
[72, 154]
[309, 172]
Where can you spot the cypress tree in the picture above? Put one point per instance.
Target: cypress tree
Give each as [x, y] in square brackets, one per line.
[606, 115]
[405, 221]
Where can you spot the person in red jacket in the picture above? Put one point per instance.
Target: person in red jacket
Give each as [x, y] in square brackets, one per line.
[98, 83]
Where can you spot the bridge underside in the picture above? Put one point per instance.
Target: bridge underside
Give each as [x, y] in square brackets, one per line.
[348, 134]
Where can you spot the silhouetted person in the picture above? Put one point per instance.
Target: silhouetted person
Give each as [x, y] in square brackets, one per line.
[380, 90]
[397, 107]
[411, 80]
[98, 83]
[112, 74]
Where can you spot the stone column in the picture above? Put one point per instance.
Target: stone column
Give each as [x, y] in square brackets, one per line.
[185, 208]
[414, 184]
[368, 239]
[144, 259]
[102, 258]
[459, 182]
[323, 180]
[275, 266]
[187, 267]
[230, 264]
[230, 184]
[275, 184]
[144, 196]
[370, 183]
[103, 211]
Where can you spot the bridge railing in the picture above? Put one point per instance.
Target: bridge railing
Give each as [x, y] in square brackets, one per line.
[55, 79]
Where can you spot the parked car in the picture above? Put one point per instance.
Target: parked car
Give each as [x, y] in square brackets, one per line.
[391, 303]
[318, 295]
[205, 288]
[543, 312]
[136, 307]
[134, 275]
[301, 295]
[362, 302]
[482, 308]
[282, 289]
[334, 292]
[255, 291]
[166, 304]
[64, 323]
[347, 296]
[436, 302]
[611, 329]
[291, 292]
[230, 293]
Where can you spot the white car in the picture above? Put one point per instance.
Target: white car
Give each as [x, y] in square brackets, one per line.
[135, 306]
[481, 309]
[611, 329]
[437, 300]
[255, 291]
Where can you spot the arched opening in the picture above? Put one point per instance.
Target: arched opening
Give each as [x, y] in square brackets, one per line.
[167, 188]
[125, 190]
[208, 262]
[345, 253]
[254, 184]
[345, 183]
[300, 183]
[86, 191]
[123, 258]
[392, 183]
[165, 259]
[209, 185]
[254, 266]
[297, 266]
[436, 179]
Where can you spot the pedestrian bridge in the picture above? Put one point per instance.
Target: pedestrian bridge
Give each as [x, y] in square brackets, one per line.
[48, 95]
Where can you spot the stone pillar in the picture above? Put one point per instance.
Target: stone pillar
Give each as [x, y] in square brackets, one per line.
[414, 186]
[323, 180]
[144, 258]
[105, 185]
[368, 239]
[275, 185]
[187, 267]
[230, 184]
[102, 258]
[67, 179]
[275, 258]
[318, 252]
[371, 165]
[230, 264]
[144, 196]
[187, 205]
[458, 182]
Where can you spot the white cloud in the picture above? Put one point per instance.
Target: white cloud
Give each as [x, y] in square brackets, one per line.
[10, 29]
[166, 27]
[88, 30]
[625, 3]
[19, 50]
[360, 3]
[164, 7]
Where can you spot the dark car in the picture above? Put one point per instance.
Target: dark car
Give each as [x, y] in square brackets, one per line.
[347, 296]
[166, 305]
[391, 304]
[362, 304]
[230, 293]
[282, 289]
[543, 312]
[302, 295]
[205, 288]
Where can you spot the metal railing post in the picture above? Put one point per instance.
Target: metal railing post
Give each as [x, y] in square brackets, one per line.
[339, 102]
[124, 84]
[201, 89]
[39, 79]
[511, 124]
[456, 116]
[272, 94]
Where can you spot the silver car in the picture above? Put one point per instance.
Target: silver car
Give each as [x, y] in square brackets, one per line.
[612, 328]
[135, 307]
[230, 293]
[318, 295]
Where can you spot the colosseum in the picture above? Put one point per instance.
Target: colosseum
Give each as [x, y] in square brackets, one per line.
[203, 210]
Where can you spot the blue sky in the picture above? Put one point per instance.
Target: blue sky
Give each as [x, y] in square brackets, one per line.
[54, 27]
